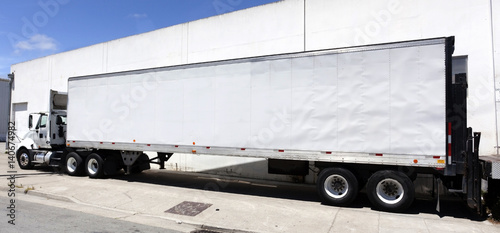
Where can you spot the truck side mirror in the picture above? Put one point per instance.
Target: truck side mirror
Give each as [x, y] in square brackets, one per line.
[30, 122]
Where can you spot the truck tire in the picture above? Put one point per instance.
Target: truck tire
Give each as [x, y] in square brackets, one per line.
[74, 164]
[24, 159]
[390, 191]
[94, 166]
[337, 186]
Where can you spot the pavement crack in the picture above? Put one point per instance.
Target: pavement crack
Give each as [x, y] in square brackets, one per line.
[126, 194]
[334, 218]
[426, 226]
[126, 216]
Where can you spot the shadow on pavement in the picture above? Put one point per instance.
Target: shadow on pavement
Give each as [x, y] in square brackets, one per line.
[225, 184]
[450, 206]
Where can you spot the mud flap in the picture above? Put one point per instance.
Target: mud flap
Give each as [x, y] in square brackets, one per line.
[474, 172]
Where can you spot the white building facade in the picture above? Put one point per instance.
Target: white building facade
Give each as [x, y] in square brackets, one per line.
[284, 27]
[4, 108]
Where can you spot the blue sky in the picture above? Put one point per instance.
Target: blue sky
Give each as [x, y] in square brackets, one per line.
[31, 29]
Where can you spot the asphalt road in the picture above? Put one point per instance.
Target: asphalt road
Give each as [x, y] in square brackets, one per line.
[33, 217]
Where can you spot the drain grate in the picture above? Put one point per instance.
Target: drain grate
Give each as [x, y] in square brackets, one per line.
[188, 208]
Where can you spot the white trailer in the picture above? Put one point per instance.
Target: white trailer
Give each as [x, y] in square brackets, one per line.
[375, 115]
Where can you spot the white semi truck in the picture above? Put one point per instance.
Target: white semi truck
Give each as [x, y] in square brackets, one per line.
[373, 115]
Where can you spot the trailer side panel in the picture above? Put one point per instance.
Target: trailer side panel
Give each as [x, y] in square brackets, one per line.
[382, 99]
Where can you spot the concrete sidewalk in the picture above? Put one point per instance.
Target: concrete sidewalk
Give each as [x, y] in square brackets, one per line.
[234, 205]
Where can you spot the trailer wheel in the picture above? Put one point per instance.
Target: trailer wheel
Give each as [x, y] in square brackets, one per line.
[74, 164]
[24, 159]
[94, 166]
[390, 191]
[337, 186]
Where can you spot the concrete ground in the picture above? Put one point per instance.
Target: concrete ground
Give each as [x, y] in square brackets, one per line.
[232, 205]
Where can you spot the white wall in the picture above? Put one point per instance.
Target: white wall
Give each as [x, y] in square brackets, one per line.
[288, 26]
[496, 53]
[162, 47]
[269, 29]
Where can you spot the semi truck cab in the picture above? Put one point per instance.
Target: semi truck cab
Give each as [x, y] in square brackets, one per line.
[47, 134]
[45, 144]
[49, 130]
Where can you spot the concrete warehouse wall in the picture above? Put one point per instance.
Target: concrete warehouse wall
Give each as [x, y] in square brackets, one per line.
[4, 108]
[282, 27]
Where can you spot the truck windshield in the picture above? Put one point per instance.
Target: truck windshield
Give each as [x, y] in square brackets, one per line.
[42, 123]
[61, 120]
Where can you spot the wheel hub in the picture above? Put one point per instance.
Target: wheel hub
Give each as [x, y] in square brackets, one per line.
[338, 185]
[93, 166]
[390, 189]
[24, 159]
[71, 165]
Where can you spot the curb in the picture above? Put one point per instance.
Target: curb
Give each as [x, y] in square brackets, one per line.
[40, 194]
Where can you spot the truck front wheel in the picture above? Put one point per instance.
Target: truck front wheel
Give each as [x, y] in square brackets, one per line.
[337, 186]
[94, 166]
[24, 159]
[74, 164]
[390, 191]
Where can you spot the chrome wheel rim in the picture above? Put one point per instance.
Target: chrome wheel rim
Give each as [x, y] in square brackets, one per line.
[92, 166]
[336, 186]
[71, 164]
[24, 159]
[390, 191]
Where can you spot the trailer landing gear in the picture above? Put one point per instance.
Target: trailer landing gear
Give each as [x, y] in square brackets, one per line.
[162, 158]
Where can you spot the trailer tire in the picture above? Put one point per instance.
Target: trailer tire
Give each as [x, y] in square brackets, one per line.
[337, 186]
[24, 159]
[74, 164]
[94, 166]
[390, 191]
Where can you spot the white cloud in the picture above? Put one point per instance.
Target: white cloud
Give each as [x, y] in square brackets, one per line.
[138, 16]
[37, 42]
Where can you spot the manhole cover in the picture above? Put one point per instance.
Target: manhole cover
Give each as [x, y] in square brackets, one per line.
[188, 208]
